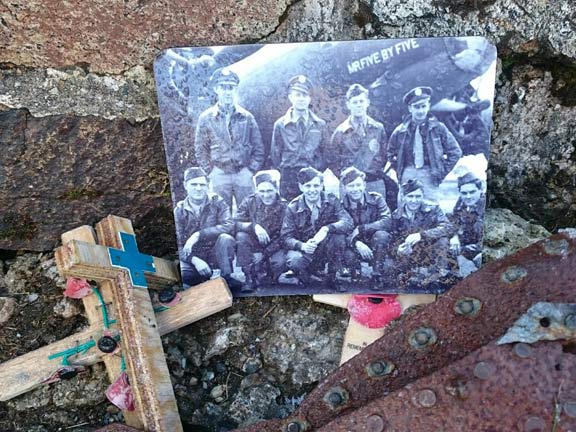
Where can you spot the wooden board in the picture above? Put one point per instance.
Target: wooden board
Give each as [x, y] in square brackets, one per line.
[93, 310]
[357, 336]
[25, 373]
[141, 344]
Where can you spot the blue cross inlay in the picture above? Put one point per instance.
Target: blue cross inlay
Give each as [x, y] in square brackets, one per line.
[130, 258]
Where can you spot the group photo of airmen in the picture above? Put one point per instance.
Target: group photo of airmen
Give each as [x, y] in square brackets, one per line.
[319, 209]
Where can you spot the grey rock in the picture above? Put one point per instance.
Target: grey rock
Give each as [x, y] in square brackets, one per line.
[67, 308]
[503, 21]
[532, 169]
[22, 269]
[7, 307]
[302, 345]
[59, 172]
[47, 92]
[505, 233]
[253, 403]
[193, 351]
[218, 391]
[50, 270]
[176, 361]
[208, 376]
[114, 37]
[252, 365]
[224, 339]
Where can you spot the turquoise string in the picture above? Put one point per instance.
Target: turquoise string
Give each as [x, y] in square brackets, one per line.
[80, 349]
[107, 322]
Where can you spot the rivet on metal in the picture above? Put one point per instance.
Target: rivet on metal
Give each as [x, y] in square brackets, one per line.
[336, 397]
[468, 306]
[570, 408]
[375, 423]
[523, 350]
[107, 344]
[427, 398]
[534, 424]
[556, 247]
[422, 337]
[380, 368]
[484, 370]
[570, 321]
[513, 274]
[295, 426]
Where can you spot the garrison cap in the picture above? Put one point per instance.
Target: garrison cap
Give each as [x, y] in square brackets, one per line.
[356, 90]
[469, 178]
[301, 83]
[307, 174]
[417, 94]
[194, 172]
[350, 174]
[411, 185]
[265, 176]
[224, 76]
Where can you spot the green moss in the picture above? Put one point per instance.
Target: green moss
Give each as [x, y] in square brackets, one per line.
[14, 226]
[79, 193]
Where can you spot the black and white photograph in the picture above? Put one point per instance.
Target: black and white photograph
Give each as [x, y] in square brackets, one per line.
[329, 167]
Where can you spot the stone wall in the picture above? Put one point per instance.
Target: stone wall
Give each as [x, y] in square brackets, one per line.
[79, 125]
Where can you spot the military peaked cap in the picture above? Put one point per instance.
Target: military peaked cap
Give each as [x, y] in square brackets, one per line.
[417, 94]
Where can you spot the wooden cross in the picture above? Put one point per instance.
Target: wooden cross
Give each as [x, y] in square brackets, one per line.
[122, 273]
[358, 336]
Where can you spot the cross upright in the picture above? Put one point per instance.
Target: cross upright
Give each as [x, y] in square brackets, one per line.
[121, 294]
[358, 335]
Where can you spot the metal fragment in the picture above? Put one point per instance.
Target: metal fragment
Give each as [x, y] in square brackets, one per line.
[556, 247]
[569, 232]
[503, 303]
[543, 321]
[532, 410]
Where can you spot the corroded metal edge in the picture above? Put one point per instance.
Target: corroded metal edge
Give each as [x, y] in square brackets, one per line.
[477, 393]
[505, 289]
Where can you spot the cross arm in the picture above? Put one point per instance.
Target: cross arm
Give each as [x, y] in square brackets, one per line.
[27, 372]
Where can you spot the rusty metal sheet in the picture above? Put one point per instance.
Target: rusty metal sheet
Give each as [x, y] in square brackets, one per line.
[475, 312]
[497, 388]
